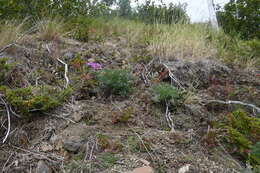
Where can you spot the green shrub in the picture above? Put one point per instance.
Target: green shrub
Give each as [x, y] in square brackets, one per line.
[243, 134]
[84, 28]
[165, 92]
[4, 69]
[255, 154]
[31, 99]
[115, 81]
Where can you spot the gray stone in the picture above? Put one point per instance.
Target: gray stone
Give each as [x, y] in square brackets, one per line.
[72, 143]
[42, 167]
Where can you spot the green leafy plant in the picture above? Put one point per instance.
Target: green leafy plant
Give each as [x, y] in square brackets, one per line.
[165, 92]
[115, 81]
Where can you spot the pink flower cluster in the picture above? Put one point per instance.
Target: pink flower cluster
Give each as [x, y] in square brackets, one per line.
[94, 66]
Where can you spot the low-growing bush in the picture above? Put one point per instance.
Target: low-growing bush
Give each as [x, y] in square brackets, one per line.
[165, 92]
[115, 81]
[4, 69]
[33, 99]
[242, 136]
[84, 28]
[50, 29]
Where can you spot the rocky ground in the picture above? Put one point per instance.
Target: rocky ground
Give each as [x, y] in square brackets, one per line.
[87, 134]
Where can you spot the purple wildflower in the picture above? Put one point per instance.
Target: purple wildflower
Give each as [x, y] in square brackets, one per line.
[94, 66]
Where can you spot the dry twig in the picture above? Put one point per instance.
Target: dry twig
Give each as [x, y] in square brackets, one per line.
[65, 73]
[168, 117]
[173, 78]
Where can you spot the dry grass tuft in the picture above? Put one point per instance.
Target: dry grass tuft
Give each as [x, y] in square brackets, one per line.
[9, 33]
[50, 30]
[182, 41]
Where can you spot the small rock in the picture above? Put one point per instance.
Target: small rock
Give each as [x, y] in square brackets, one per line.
[42, 167]
[72, 144]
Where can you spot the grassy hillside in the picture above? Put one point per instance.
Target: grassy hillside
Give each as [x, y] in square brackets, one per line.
[86, 94]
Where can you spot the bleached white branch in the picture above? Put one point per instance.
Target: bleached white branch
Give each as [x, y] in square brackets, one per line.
[8, 119]
[66, 72]
[173, 78]
[235, 102]
[168, 117]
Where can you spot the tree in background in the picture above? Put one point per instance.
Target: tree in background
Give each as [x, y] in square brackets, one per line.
[241, 17]
[163, 14]
[124, 8]
[20, 9]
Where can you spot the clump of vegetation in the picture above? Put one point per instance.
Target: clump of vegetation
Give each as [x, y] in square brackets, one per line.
[240, 17]
[85, 28]
[115, 81]
[233, 50]
[31, 99]
[9, 32]
[4, 69]
[141, 59]
[106, 143]
[165, 92]
[107, 160]
[123, 116]
[149, 12]
[50, 29]
[243, 136]
[136, 145]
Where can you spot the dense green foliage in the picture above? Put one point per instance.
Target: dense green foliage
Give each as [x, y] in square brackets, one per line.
[124, 8]
[163, 14]
[149, 12]
[241, 17]
[243, 136]
[4, 69]
[20, 9]
[115, 81]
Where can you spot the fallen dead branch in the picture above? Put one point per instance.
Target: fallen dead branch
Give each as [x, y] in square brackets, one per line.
[8, 119]
[66, 68]
[173, 78]
[49, 157]
[234, 102]
[168, 117]
[65, 72]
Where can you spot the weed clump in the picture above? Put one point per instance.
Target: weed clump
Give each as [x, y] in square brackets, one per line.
[165, 92]
[4, 69]
[33, 99]
[136, 145]
[115, 81]
[243, 136]
[50, 30]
